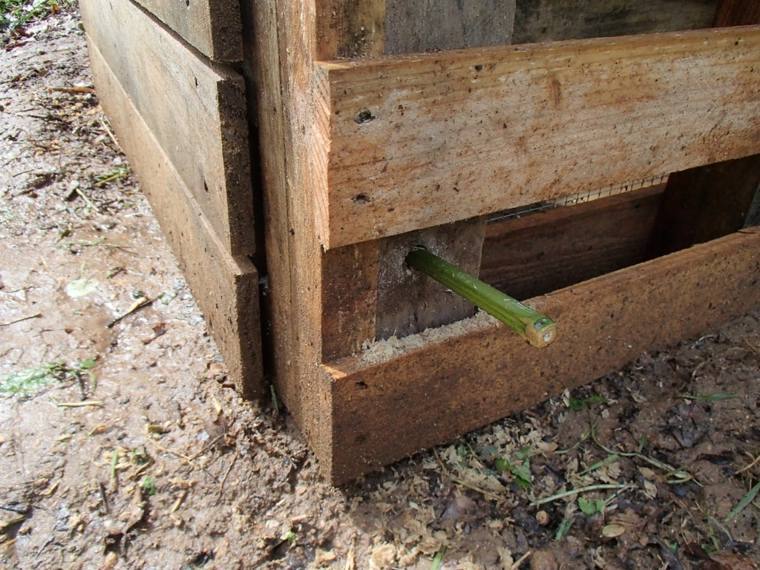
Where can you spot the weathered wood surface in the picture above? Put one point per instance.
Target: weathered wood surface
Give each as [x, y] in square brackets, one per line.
[431, 139]
[384, 298]
[213, 27]
[445, 386]
[701, 204]
[552, 20]
[291, 135]
[196, 111]
[737, 13]
[225, 287]
[370, 28]
[432, 25]
[547, 251]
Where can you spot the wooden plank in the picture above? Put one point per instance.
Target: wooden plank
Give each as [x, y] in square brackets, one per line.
[213, 27]
[370, 28]
[225, 287]
[553, 20]
[738, 13]
[433, 25]
[465, 376]
[753, 216]
[293, 146]
[350, 28]
[703, 203]
[550, 250]
[196, 111]
[435, 138]
[368, 292]
[349, 299]
[408, 301]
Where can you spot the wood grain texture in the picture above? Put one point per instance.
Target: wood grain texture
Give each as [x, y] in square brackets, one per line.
[384, 298]
[349, 28]
[225, 287]
[213, 27]
[370, 28]
[432, 25]
[349, 298]
[553, 20]
[738, 13]
[701, 204]
[409, 301]
[550, 250]
[443, 387]
[196, 111]
[292, 133]
[431, 139]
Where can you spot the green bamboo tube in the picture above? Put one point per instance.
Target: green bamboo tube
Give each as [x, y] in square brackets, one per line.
[538, 329]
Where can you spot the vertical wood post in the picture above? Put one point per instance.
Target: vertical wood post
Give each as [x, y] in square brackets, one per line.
[710, 201]
[384, 298]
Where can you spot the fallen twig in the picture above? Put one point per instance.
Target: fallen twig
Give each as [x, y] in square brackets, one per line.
[140, 303]
[85, 404]
[522, 559]
[74, 89]
[86, 199]
[579, 491]
[21, 320]
[748, 467]
[674, 475]
[109, 133]
[227, 473]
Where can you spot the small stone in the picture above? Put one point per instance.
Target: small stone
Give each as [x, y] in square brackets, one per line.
[110, 561]
[543, 560]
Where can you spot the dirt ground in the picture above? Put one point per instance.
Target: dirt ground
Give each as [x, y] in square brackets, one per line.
[123, 446]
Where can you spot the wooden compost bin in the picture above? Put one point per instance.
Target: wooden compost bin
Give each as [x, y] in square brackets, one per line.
[598, 159]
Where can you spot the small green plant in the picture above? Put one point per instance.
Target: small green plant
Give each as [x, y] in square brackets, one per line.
[148, 485]
[17, 13]
[563, 528]
[32, 380]
[710, 398]
[438, 559]
[116, 174]
[519, 468]
[578, 404]
[590, 507]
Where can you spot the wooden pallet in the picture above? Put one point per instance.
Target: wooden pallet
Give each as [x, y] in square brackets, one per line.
[380, 150]
[181, 120]
[599, 159]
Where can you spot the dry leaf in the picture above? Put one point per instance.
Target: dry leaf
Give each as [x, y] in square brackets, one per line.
[613, 530]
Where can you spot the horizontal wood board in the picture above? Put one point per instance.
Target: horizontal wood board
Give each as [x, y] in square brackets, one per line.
[213, 27]
[424, 140]
[549, 250]
[225, 287]
[196, 111]
[554, 20]
[442, 387]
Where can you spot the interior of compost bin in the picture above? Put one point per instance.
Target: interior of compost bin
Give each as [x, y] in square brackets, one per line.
[546, 250]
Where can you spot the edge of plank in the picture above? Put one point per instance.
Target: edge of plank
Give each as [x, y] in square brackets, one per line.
[225, 287]
[472, 373]
[429, 139]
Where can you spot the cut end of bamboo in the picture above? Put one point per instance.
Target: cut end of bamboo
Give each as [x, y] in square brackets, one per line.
[541, 333]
